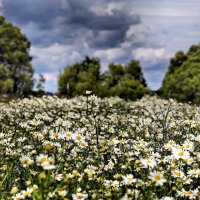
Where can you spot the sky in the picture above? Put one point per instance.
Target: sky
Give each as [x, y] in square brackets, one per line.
[63, 32]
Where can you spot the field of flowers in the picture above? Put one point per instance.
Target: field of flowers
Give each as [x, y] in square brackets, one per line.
[101, 149]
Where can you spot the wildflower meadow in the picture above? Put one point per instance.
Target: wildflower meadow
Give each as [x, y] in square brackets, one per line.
[99, 149]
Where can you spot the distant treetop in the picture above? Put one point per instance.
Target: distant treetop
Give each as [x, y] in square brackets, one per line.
[125, 81]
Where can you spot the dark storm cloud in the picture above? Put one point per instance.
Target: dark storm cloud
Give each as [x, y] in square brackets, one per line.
[105, 39]
[66, 21]
[24, 11]
[82, 16]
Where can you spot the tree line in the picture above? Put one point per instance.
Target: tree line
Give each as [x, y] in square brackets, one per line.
[125, 81]
[181, 81]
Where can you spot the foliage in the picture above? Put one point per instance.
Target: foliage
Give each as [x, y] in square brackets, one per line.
[6, 83]
[130, 89]
[86, 75]
[127, 81]
[92, 148]
[80, 77]
[15, 70]
[40, 83]
[182, 79]
[133, 69]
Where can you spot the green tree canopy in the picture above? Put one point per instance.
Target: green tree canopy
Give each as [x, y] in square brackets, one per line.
[133, 69]
[113, 75]
[130, 89]
[182, 80]
[126, 81]
[81, 76]
[16, 69]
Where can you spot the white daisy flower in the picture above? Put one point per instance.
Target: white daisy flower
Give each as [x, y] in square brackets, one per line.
[79, 196]
[157, 177]
[180, 154]
[148, 162]
[42, 158]
[27, 192]
[188, 145]
[178, 173]
[128, 179]
[78, 137]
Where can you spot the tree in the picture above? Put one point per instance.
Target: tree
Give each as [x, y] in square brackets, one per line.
[177, 61]
[15, 59]
[6, 83]
[133, 69]
[113, 75]
[183, 82]
[126, 81]
[40, 83]
[130, 89]
[81, 76]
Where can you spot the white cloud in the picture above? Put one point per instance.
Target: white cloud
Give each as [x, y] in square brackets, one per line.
[50, 57]
[110, 54]
[150, 56]
[50, 76]
[115, 53]
[136, 29]
[136, 34]
[170, 8]
[100, 53]
[100, 11]
[54, 57]
[108, 9]
[50, 60]
[115, 6]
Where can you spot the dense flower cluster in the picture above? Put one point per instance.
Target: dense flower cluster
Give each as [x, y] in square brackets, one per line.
[91, 148]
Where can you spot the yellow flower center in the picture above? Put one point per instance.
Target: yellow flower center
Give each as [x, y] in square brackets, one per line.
[78, 137]
[177, 173]
[43, 159]
[68, 135]
[82, 144]
[79, 196]
[55, 135]
[35, 121]
[187, 192]
[157, 178]
[181, 153]
[122, 141]
[40, 137]
[24, 160]
[129, 178]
